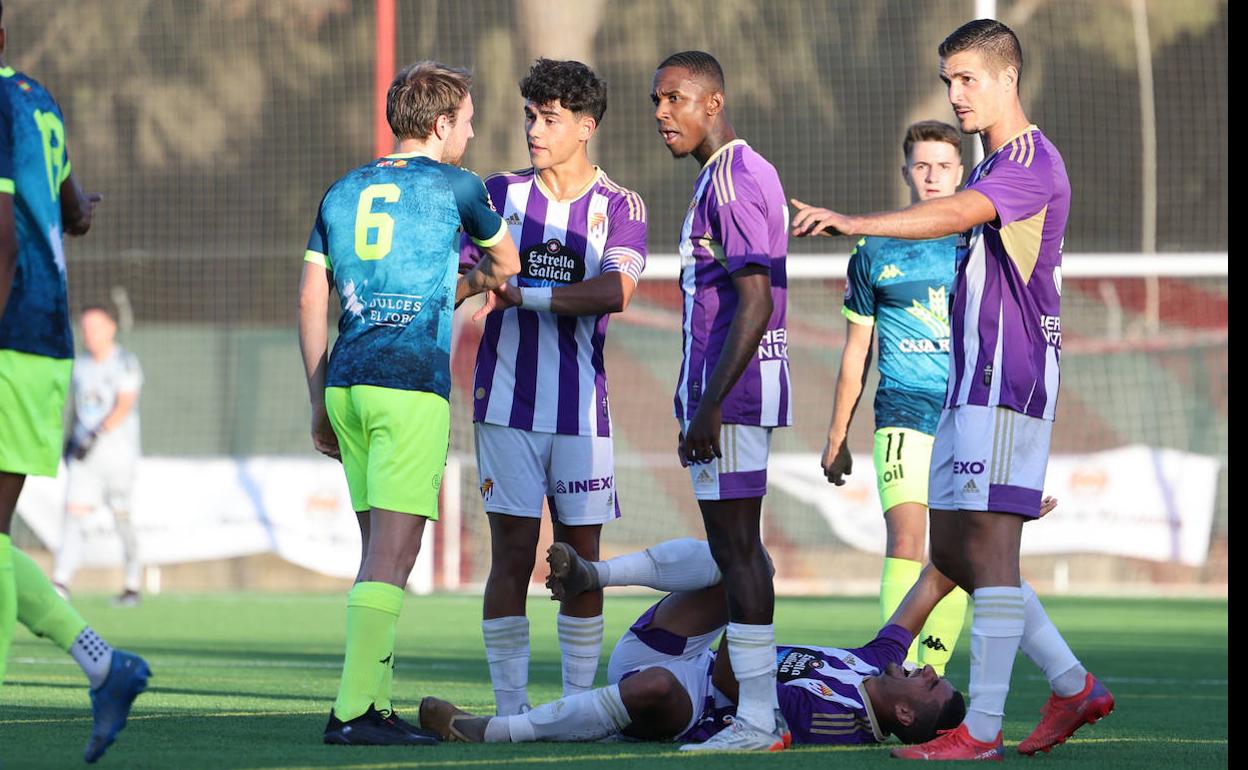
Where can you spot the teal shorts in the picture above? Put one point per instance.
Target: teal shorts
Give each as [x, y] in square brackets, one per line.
[393, 445]
[903, 458]
[32, 409]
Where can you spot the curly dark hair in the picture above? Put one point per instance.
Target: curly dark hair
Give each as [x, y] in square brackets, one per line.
[571, 83]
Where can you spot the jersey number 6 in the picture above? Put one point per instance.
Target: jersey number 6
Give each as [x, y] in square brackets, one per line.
[367, 221]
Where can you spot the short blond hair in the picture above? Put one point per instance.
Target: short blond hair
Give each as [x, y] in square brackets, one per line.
[423, 92]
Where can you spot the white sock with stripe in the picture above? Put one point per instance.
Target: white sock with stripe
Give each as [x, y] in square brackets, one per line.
[580, 641]
[996, 630]
[507, 652]
[1046, 647]
[684, 564]
[586, 716]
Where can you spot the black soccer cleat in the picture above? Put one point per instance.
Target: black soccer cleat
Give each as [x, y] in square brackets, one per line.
[373, 729]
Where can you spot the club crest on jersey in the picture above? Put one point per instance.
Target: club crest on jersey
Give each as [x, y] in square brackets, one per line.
[551, 264]
[487, 489]
[596, 222]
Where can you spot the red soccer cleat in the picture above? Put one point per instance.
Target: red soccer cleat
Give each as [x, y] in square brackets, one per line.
[954, 744]
[1063, 716]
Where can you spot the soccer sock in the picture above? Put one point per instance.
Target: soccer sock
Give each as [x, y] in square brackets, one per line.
[69, 555]
[586, 716]
[996, 629]
[507, 652]
[133, 579]
[685, 564]
[93, 655]
[752, 652]
[940, 632]
[580, 641]
[42, 610]
[384, 700]
[8, 602]
[1044, 645]
[896, 581]
[372, 617]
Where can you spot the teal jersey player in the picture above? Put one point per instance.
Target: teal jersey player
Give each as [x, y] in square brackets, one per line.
[902, 287]
[34, 162]
[388, 231]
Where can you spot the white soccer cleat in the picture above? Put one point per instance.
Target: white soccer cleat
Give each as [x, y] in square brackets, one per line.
[740, 735]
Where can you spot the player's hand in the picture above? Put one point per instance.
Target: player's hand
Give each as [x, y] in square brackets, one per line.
[503, 297]
[701, 440]
[86, 210]
[837, 462]
[79, 448]
[323, 436]
[1047, 505]
[811, 221]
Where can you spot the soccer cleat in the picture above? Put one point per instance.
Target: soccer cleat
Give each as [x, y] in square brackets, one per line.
[127, 598]
[782, 726]
[452, 723]
[373, 729]
[740, 735]
[391, 718]
[111, 701]
[570, 575]
[1061, 717]
[957, 743]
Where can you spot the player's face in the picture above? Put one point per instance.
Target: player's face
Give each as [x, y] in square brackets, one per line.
[98, 331]
[921, 687]
[554, 133]
[933, 170]
[978, 95]
[461, 132]
[680, 109]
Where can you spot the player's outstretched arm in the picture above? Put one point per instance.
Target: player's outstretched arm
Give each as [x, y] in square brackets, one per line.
[928, 590]
[749, 323]
[8, 249]
[314, 345]
[607, 293]
[77, 207]
[933, 218]
[851, 380]
[499, 262]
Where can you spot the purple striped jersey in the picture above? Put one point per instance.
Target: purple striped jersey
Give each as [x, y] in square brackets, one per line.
[539, 371]
[738, 217]
[1007, 296]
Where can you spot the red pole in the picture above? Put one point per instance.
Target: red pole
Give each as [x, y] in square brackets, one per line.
[383, 73]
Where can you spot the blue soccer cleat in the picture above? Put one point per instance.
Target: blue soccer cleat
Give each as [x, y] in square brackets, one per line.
[110, 702]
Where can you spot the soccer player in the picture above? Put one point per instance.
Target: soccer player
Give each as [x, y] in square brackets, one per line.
[666, 680]
[103, 449]
[386, 239]
[543, 428]
[900, 290]
[992, 443]
[40, 199]
[733, 387]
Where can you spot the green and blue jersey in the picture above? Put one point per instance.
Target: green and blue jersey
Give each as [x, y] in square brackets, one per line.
[33, 164]
[902, 288]
[389, 233]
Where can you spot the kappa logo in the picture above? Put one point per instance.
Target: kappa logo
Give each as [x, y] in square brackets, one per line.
[969, 488]
[933, 643]
[513, 219]
[890, 272]
[487, 489]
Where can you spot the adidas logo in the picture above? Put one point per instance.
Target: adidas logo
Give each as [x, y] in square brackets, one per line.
[889, 272]
[513, 219]
[970, 488]
[932, 643]
[704, 477]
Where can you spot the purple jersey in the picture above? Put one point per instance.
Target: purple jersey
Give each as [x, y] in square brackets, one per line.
[821, 691]
[738, 217]
[525, 353]
[1007, 297]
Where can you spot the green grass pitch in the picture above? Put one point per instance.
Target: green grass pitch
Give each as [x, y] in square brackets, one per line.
[246, 681]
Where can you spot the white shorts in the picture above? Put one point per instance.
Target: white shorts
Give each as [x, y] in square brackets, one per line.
[742, 470]
[105, 477]
[989, 459]
[689, 659]
[520, 468]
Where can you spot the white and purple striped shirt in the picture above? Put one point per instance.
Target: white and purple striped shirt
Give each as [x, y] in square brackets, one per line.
[1007, 296]
[539, 371]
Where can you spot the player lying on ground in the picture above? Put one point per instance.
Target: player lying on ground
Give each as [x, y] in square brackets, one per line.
[667, 680]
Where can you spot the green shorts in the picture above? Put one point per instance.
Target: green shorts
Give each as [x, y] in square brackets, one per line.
[393, 445]
[902, 460]
[32, 410]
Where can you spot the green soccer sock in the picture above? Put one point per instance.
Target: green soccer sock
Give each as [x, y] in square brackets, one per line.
[372, 617]
[898, 578]
[40, 608]
[384, 700]
[8, 602]
[940, 633]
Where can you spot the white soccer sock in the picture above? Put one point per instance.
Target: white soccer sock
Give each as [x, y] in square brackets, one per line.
[133, 579]
[586, 716]
[507, 652]
[996, 630]
[69, 555]
[685, 564]
[752, 652]
[93, 655]
[1044, 645]
[580, 641]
